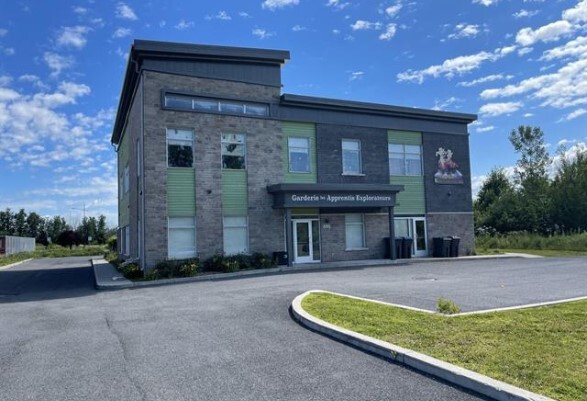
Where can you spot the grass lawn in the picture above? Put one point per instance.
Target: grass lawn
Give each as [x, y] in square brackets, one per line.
[53, 251]
[541, 252]
[543, 350]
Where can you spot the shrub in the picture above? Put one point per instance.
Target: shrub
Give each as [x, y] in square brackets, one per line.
[175, 268]
[112, 243]
[131, 271]
[261, 261]
[447, 307]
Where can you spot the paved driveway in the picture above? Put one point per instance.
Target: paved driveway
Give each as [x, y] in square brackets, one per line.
[232, 339]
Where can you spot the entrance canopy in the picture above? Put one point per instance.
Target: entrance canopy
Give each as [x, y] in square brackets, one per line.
[287, 196]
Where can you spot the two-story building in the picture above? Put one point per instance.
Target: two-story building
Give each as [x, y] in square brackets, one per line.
[214, 158]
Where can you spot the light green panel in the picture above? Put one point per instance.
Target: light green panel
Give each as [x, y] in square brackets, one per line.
[411, 200]
[123, 219]
[181, 192]
[234, 193]
[404, 137]
[302, 130]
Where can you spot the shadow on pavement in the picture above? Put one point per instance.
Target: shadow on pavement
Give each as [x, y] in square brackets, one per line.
[26, 284]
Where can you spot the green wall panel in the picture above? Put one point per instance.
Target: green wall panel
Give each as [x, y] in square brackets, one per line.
[234, 193]
[404, 137]
[302, 130]
[411, 200]
[181, 192]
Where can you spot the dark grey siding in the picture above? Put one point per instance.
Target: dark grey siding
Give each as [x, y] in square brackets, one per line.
[369, 120]
[443, 198]
[373, 154]
[250, 73]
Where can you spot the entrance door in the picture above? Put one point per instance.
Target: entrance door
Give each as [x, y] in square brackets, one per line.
[420, 243]
[306, 238]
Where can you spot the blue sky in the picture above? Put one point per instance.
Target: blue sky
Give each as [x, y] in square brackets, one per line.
[512, 62]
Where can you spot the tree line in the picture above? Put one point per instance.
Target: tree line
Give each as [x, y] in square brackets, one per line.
[546, 195]
[54, 229]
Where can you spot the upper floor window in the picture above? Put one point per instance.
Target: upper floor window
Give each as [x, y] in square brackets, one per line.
[351, 156]
[299, 154]
[205, 104]
[405, 159]
[233, 151]
[180, 148]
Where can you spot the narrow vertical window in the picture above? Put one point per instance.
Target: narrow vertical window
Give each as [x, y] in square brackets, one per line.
[354, 231]
[299, 154]
[138, 156]
[180, 148]
[233, 152]
[351, 156]
[182, 237]
[236, 239]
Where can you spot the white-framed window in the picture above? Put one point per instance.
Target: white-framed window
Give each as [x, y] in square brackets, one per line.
[233, 151]
[405, 159]
[351, 156]
[236, 235]
[181, 237]
[180, 148]
[204, 104]
[299, 154]
[126, 180]
[354, 231]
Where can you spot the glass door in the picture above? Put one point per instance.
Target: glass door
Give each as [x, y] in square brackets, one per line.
[420, 242]
[306, 236]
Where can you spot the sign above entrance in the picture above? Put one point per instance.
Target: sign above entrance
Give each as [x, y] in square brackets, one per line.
[333, 195]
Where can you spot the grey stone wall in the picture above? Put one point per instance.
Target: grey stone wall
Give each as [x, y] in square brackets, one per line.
[264, 142]
[452, 224]
[333, 238]
[374, 157]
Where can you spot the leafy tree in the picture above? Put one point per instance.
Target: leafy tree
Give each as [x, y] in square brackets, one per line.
[532, 177]
[35, 225]
[55, 227]
[20, 225]
[7, 222]
[101, 230]
[69, 238]
[569, 192]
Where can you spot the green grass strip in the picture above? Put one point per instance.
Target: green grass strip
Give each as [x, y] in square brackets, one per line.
[540, 252]
[543, 350]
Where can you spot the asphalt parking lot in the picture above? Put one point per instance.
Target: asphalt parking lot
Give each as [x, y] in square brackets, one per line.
[233, 339]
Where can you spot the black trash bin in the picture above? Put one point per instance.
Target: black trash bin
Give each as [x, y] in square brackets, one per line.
[442, 247]
[407, 247]
[399, 248]
[454, 247]
[280, 258]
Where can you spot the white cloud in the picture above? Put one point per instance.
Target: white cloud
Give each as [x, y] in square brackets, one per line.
[528, 115]
[73, 36]
[575, 114]
[361, 25]
[243, 14]
[337, 4]
[577, 14]
[392, 11]
[336, 31]
[485, 129]
[575, 47]
[389, 33]
[525, 14]
[80, 10]
[498, 109]
[488, 78]
[3, 32]
[464, 31]
[443, 105]
[546, 33]
[9, 51]
[33, 79]
[275, 4]
[125, 12]
[183, 25]
[222, 15]
[485, 2]
[57, 63]
[355, 75]
[121, 33]
[299, 28]
[525, 50]
[455, 66]
[261, 33]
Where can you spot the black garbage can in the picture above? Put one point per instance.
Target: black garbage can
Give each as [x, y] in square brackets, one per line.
[399, 248]
[441, 247]
[407, 247]
[280, 258]
[454, 247]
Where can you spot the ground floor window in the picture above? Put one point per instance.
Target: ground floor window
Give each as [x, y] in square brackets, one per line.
[414, 228]
[182, 237]
[236, 235]
[124, 241]
[354, 231]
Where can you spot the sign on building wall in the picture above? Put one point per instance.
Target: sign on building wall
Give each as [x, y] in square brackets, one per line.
[448, 172]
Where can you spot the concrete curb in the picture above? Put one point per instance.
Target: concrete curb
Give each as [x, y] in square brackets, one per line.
[467, 379]
[15, 264]
[108, 278]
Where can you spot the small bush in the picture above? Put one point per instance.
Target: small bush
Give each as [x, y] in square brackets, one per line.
[447, 307]
[261, 261]
[112, 243]
[131, 271]
[175, 268]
